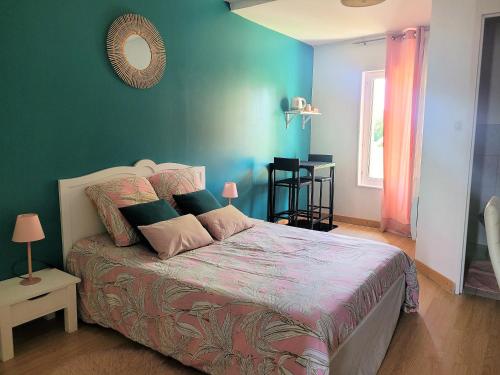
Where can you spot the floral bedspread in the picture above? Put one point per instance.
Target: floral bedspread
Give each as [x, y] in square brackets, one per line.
[270, 300]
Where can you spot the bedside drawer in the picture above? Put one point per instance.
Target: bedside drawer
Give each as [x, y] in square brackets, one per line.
[37, 307]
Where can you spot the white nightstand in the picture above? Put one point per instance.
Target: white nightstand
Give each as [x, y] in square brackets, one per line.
[20, 304]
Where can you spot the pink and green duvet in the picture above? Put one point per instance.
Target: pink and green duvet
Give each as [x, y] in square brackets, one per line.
[270, 300]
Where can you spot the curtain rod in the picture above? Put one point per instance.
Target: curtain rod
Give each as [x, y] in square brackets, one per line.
[364, 42]
[384, 37]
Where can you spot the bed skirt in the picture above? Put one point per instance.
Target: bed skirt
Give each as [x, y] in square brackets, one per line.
[363, 352]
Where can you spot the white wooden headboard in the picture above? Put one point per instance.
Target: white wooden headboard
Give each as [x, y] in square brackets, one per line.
[79, 218]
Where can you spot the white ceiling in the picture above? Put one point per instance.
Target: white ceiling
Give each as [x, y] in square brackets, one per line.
[323, 21]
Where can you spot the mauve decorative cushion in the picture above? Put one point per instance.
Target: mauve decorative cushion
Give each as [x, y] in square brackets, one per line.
[110, 196]
[175, 236]
[225, 222]
[197, 203]
[178, 181]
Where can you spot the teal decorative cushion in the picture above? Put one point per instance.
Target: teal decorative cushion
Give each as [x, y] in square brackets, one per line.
[148, 213]
[197, 203]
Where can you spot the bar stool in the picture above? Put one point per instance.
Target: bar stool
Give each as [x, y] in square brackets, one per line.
[322, 180]
[294, 184]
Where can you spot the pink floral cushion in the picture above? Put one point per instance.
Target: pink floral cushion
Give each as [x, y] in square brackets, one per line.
[175, 182]
[109, 196]
[224, 222]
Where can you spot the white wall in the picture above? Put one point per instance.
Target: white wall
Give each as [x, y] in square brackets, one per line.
[449, 133]
[337, 92]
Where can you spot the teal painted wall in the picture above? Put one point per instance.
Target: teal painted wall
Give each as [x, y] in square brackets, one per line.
[64, 112]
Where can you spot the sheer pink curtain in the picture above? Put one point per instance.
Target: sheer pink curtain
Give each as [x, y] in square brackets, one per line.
[405, 55]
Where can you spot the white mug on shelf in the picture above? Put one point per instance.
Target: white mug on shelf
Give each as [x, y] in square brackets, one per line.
[298, 103]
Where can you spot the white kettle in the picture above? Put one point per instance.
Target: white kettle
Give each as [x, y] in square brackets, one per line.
[298, 103]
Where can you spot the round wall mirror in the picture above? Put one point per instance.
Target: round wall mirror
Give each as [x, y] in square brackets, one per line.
[136, 51]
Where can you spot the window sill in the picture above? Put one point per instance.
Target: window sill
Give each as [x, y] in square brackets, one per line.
[371, 186]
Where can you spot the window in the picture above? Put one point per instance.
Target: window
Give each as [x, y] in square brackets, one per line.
[371, 134]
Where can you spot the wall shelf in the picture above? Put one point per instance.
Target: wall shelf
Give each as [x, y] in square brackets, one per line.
[306, 117]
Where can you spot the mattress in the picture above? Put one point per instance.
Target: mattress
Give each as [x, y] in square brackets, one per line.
[271, 299]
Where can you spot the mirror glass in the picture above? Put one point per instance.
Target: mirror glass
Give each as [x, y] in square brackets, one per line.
[137, 52]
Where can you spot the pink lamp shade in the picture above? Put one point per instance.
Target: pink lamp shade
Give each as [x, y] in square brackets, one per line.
[28, 229]
[230, 190]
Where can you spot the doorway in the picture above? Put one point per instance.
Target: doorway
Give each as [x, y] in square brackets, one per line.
[479, 277]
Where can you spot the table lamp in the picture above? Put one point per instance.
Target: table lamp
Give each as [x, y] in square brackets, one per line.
[230, 191]
[27, 230]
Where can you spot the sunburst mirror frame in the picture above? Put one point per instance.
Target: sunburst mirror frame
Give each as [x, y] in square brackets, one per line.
[360, 3]
[120, 30]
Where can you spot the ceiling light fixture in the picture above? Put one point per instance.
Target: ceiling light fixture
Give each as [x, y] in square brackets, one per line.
[360, 3]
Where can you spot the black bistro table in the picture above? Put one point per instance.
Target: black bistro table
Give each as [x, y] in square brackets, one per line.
[312, 167]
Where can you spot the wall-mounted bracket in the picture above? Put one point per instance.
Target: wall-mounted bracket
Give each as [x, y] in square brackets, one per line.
[306, 117]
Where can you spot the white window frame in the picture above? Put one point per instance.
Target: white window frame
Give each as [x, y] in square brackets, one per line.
[365, 128]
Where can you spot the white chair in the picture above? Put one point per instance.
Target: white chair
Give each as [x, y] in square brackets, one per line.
[492, 223]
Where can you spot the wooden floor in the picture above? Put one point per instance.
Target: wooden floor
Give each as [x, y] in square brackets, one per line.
[406, 244]
[450, 335]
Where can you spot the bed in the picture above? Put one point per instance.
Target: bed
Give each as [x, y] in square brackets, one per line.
[269, 300]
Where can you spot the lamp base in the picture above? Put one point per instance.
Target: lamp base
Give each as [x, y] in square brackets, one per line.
[30, 281]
